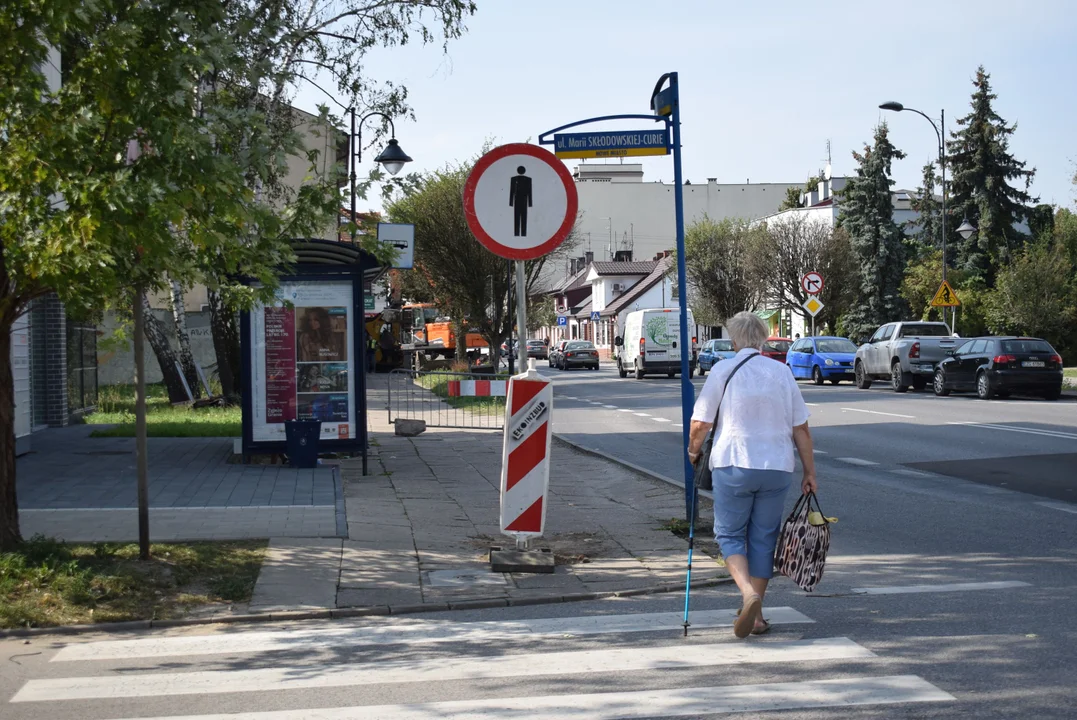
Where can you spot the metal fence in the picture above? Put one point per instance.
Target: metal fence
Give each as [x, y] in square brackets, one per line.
[448, 399]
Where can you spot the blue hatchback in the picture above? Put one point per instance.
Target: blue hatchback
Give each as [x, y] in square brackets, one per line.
[822, 358]
[713, 351]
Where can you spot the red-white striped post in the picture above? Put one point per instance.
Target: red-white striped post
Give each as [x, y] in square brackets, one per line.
[525, 459]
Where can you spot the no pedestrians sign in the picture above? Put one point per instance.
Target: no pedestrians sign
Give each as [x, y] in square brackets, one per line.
[520, 201]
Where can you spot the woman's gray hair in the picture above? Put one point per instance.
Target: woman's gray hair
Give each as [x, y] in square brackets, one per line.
[747, 330]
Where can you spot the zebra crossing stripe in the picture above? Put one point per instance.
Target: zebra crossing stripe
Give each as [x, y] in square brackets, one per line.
[578, 663]
[679, 702]
[320, 636]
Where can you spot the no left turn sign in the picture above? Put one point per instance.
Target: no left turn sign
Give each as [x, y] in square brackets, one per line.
[812, 283]
[520, 201]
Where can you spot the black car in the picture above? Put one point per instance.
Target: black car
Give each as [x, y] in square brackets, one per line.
[578, 353]
[1001, 365]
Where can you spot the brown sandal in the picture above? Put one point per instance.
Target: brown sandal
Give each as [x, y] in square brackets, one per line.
[750, 612]
[762, 629]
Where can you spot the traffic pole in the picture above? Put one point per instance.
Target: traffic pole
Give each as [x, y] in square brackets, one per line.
[521, 308]
[688, 395]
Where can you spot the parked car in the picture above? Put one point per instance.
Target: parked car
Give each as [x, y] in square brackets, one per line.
[554, 357]
[822, 358]
[652, 344]
[537, 349]
[904, 352]
[713, 352]
[776, 348]
[578, 353]
[1000, 366]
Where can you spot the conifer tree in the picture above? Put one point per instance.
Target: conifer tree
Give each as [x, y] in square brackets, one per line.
[981, 189]
[928, 234]
[878, 243]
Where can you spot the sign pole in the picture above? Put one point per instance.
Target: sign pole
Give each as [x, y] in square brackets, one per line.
[688, 394]
[521, 310]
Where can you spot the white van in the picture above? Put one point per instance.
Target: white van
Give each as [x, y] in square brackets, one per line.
[651, 343]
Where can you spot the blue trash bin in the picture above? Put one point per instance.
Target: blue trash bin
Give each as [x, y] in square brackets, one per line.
[302, 439]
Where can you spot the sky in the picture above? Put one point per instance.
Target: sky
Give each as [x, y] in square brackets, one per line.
[764, 85]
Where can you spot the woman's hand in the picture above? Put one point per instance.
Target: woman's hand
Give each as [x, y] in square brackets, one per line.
[808, 484]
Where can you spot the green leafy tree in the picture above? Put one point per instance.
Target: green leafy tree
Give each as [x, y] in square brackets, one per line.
[922, 278]
[281, 45]
[720, 263]
[981, 190]
[97, 176]
[465, 280]
[1036, 295]
[878, 243]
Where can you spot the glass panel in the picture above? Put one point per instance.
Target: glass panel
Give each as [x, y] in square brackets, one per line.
[723, 345]
[840, 345]
[1027, 346]
[924, 330]
[978, 347]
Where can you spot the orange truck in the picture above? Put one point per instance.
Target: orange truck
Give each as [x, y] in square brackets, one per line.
[437, 337]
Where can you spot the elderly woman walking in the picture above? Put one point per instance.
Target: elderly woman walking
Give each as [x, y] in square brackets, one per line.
[761, 417]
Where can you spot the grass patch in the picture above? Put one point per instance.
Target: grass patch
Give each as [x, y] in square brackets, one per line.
[438, 383]
[116, 406]
[47, 583]
[1070, 373]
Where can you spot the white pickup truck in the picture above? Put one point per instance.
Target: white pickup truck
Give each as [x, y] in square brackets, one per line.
[905, 353]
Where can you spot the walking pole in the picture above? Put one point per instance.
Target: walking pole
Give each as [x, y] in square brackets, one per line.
[691, 545]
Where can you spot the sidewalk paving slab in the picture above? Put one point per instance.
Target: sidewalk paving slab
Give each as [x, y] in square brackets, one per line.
[422, 522]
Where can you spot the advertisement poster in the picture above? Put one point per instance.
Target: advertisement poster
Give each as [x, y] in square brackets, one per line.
[303, 365]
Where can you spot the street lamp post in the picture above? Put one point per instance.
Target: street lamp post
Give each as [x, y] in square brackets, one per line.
[392, 158]
[898, 107]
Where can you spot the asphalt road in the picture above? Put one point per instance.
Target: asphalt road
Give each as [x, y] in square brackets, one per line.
[1024, 444]
[943, 597]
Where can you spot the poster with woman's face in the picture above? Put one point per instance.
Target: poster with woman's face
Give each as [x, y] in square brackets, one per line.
[322, 334]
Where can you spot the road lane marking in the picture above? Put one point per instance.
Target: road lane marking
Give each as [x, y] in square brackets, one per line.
[812, 404]
[678, 425]
[678, 702]
[626, 410]
[577, 663]
[1059, 506]
[1008, 428]
[876, 412]
[413, 632]
[820, 452]
[912, 473]
[610, 407]
[661, 420]
[952, 587]
[856, 461]
[641, 414]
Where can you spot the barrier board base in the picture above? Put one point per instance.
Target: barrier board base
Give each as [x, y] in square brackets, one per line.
[510, 560]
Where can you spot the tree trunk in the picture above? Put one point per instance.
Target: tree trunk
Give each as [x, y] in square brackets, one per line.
[226, 345]
[166, 356]
[186, 358]
[9, 505]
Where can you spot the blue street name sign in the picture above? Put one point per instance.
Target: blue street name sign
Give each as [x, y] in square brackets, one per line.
[562, 320]
[628, 143]
[596, 315]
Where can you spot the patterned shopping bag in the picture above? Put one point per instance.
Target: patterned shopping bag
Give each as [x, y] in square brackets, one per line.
[803, 544]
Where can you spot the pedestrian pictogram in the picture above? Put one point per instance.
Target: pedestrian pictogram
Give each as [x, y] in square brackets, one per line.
[812, 283]
[945, 297]
[520, 201]
[813, 305]
[525, 461]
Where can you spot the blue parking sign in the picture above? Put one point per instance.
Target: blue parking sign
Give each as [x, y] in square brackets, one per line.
[562, 321]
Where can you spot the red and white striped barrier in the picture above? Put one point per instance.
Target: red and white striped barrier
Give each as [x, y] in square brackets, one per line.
[477, 388]
[525, 460]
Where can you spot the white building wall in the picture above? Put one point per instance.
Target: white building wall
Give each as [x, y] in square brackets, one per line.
[641, 214]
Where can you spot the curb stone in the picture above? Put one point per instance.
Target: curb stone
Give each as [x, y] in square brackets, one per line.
[342, 613]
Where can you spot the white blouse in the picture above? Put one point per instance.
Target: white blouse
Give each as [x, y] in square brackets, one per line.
[761, 407]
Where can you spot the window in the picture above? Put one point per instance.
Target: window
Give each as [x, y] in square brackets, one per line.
[964, 349]
[723, 345]
[841, 345]
[886, 332]
[924, 330]
[81, 365]
[1027, 346]
[978, 346]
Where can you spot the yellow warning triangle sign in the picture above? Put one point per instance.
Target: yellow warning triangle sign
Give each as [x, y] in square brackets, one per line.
[945, 297]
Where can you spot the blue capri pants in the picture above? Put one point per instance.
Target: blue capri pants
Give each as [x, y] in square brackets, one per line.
[748, 508]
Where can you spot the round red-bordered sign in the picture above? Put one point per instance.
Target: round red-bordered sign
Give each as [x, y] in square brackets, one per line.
[502, 205]
[812, 283]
